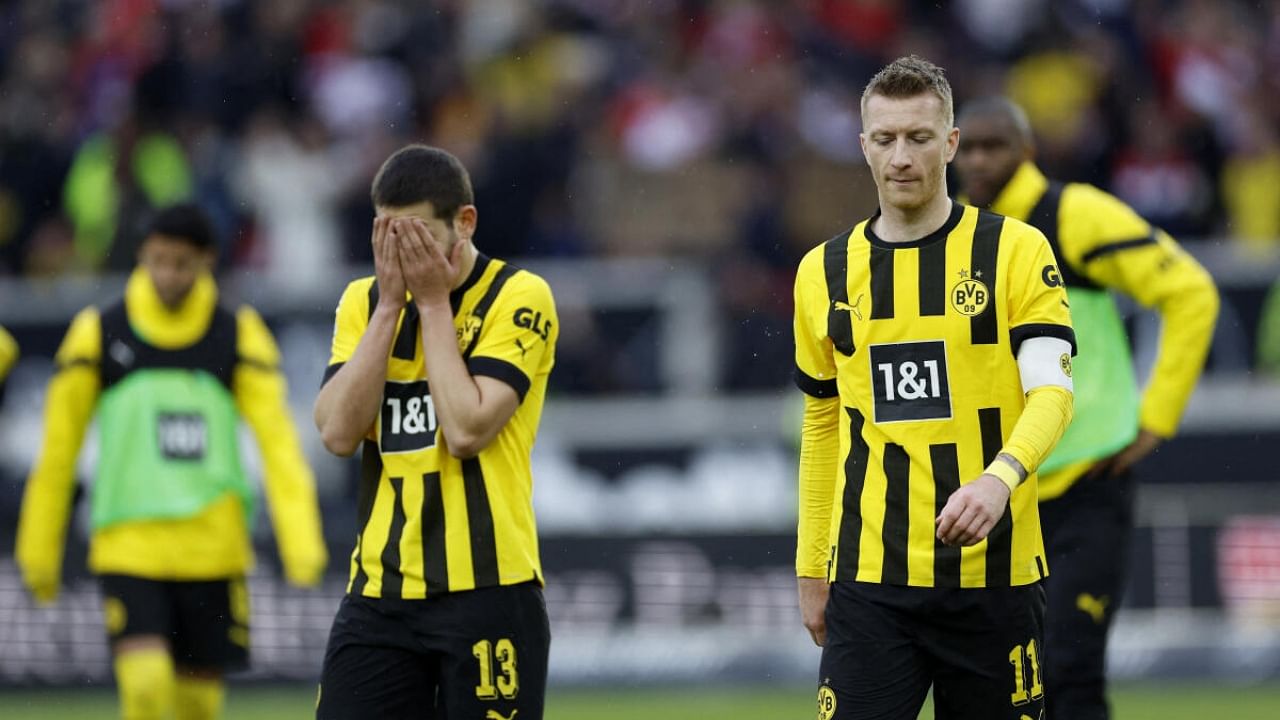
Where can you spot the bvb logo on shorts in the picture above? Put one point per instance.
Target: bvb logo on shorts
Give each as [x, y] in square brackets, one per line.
[1065, 363]
[826, 703]
[970, 296]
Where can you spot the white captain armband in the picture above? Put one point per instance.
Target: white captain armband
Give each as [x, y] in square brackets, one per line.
[1045, 360]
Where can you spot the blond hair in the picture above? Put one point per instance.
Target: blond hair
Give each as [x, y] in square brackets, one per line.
[908, 77]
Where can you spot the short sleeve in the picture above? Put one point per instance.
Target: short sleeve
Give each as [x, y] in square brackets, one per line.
[349, 324]
[815, 372]
[1038, 305]
[517, 340]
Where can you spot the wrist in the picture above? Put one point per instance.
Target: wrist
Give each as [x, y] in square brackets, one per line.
[433, 304]
[1007, 470]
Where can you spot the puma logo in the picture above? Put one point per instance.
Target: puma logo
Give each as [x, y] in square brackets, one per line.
[1094, 607]
[851, 308]
[495, 715]
[523, 350]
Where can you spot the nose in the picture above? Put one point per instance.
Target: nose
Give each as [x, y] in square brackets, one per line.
[900, 158]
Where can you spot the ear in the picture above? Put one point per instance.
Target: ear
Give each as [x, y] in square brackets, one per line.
[862, 143]
[953, 143]
[464, 222]
[208, 259]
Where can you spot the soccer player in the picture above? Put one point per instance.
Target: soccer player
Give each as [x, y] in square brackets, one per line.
[169, 373]
[934, 351]
[1086, 484]
[438, 373]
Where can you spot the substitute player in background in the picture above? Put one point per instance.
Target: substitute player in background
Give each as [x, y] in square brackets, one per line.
[439, 372]
[1086, 484]
[169, 373]
[935, 360]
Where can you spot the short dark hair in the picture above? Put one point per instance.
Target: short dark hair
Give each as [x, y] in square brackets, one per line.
[184, 221]
[418, 173]
[908, 77]
[1001, 107]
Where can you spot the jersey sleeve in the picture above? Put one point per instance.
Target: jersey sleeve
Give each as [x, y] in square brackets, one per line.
[1038, 305]
[1120, 251]
[1102, 227]
[518, 338]
[46, 501]
[349, 323]
[815, 372]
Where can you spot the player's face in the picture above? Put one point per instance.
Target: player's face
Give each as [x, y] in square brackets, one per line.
[991, 149]
[174, 265]
[908, 143]
[444, 231]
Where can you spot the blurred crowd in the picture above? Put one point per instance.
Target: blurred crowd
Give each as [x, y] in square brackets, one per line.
[718, 130]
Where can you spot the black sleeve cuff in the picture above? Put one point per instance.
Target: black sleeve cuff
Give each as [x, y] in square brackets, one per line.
[502, 370]
[815, 387]
[1026, 332]
[330, 371]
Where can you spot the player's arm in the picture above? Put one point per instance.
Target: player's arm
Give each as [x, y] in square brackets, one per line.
[819, 445]
[474, 399]
[348, 402]
[8, 353]
[1043, 343]
[262, 397]
[46, 502]
[1125, 254]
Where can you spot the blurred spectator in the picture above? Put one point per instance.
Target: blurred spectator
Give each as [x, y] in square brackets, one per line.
[1250, 181]
[1158, 177]
[117, 178]
[716, 130]
[289, 180]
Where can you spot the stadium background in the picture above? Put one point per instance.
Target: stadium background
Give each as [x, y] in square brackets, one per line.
[664, 163]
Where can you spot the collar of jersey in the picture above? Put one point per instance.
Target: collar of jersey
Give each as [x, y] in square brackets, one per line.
[164, 328]
[477, 272]
[957, 212]
[1020, 195]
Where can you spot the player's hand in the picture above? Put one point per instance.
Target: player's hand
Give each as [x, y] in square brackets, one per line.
[813, 607]
[306, 571]
[1146, 443]
[972, 511]
[386, 264]
[42, 583]
[428, 273]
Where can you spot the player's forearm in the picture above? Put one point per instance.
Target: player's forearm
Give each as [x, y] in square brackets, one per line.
[46, 501]
[1187, 319]
[1039, 428]
[348, 404]
[468, 423]
[819, 464]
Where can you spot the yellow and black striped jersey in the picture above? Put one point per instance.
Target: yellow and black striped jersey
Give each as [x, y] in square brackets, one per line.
[430, 523]
[918, 340]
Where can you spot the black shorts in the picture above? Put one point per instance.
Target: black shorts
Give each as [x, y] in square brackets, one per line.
[980, 649]
[475, 654]
[206, 622]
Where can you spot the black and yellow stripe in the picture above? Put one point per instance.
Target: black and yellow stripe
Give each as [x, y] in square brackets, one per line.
[428, 522]
[897, 470]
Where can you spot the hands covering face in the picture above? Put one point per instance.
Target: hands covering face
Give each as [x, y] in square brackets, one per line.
[406, 257]
[428, 274]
